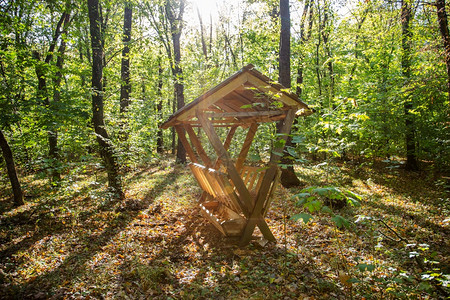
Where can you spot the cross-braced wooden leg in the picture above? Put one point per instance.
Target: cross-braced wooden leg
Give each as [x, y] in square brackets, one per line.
[269, 177]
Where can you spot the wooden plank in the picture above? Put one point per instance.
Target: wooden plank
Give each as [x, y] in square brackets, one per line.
[226, 145]
[216, 222]
[271, 192]
[243, 114]
[211, 205]
[269, 88]
[262, 119]
[226, 190]
[217, 163]
[269, 177]
[205, 102]
[250, 184]
[246, 146]
[198, 146]
[196, 122]
[244, 195]
[202, 181]
[185, 142]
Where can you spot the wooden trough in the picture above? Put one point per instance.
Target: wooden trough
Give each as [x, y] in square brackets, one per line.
[236, 197]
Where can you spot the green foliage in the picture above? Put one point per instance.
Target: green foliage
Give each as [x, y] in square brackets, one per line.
[314, 199]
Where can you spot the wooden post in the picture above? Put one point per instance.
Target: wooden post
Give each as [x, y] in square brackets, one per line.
[256, 215]
[198, 146]
[246, 146]
[185, 142]
[244, 194]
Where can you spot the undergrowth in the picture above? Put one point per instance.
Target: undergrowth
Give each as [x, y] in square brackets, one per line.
[78, 241]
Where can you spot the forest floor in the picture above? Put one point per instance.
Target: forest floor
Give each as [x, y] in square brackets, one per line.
[78, 242]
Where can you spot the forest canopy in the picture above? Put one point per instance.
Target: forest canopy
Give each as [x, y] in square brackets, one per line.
[376, 80]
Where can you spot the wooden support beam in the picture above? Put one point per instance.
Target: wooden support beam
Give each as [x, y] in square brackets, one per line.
[271, 192]
[198, 146]
[218, 162]
[214, 139]
[243, 114]
[246, 146]
[269, 177]
[182, 136]
[212, 218]
[268, 88]
[212, 98]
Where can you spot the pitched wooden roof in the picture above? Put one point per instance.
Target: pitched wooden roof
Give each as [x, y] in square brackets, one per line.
[246, 97]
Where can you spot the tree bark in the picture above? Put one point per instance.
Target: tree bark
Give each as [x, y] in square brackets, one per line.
[125, 86]
[12, 174]
[304, 38]
[327, 48]
[202, 35]
[159, 106]
[288, 177]
[285, 45]
[106, 147]
[406, 15]
[176, 26]
[443, 28]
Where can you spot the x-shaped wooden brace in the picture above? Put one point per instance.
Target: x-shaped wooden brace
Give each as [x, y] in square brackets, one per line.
[252, 211]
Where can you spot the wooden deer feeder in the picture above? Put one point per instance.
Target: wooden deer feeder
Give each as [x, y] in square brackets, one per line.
[236, 197]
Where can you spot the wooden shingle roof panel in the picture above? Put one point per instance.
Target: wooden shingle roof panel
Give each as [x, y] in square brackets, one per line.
[246, 90]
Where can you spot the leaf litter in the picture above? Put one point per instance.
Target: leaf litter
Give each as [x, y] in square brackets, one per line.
[79, 242]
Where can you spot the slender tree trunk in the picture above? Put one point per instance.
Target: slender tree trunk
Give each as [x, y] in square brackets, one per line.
[53, 133]
[159, 106]
[179, 93]
[325, 36]
[12, 174]
[106, 147]
[176, 26]
[304, 38]
[285, 45]
[125, 87]
[443, 28]
[202, 35]
[288, 177]
[319, 41]
[41, 74]
[411, 161]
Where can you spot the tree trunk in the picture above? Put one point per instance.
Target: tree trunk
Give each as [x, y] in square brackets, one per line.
[53, 132]
[443, 28]
[106, 147]
[304, 38]
[285, 45]
[125, 86]
[202, 35]
[12, 174]
[288, 177]
[327, 48]
[42, 92]
[159, 106]
[176, 26]
[411, 161]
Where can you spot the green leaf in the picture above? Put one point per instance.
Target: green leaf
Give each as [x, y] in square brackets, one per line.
[327, 210]
[297, 139]
[302, 216]
[247, 106]
[302, 195]
[340, 221]
[313, 205]
[279, 144]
